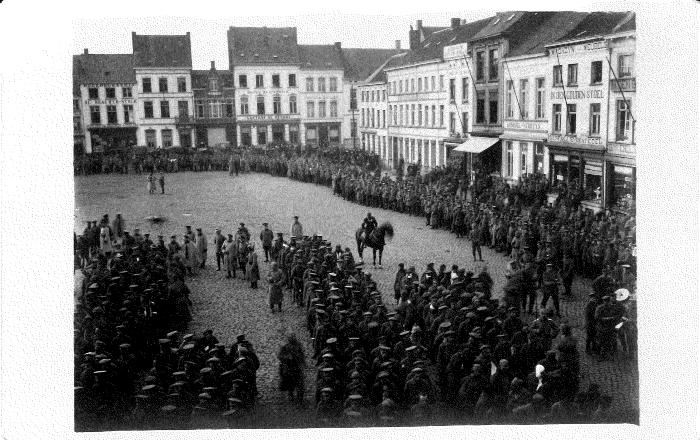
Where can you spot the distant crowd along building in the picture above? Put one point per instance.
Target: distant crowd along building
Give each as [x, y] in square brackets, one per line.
[515, 94]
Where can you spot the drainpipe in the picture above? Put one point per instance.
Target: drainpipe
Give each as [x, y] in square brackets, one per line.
[607, 137]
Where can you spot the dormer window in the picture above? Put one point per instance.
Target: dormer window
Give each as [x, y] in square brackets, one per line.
[213, 84]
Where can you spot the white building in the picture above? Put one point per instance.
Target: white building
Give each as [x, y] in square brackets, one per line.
[104, 117]
[162, 67]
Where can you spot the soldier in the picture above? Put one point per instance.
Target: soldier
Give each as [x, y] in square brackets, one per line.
[201, 247]
[550, 287]
[230, 251]
[297, 229]
[219, 240]
[266, 237]
[277, 281]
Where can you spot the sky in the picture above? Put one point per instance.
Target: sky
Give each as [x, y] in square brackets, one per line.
[208, 36]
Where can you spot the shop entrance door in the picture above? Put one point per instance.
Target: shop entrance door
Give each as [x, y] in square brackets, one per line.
[323, 136]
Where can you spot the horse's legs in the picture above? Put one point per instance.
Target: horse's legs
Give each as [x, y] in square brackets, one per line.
[359, 250]
[381, 251]
[374, 257]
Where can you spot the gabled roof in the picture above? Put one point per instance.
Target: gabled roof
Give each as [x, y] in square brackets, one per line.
[428, 31]
[597, 24]
[559, 24]
[379, 75]
[103, 68]
[361, 63]
[262, 45]
[201, 77]
[432, 47]
[162, 50]
[320, 56]
[499, 24]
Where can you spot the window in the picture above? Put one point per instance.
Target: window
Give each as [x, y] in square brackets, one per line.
[294, 133]
[164, 109]
[215, 109]
[479, 66]
[148, 109]
[362, 124]
[244, 105]
[539, 158]
[260, 101]
[128, 114]
[509, 158]
[126, 92]
[183, 108]
[556, 118]
[243, 81]
[401, 115]
[383, 116]
[572, 75]
[625, 66]
[322, 109]
[481, 107]
[432, 120]
[276, 80]
[464, 122]
[310, 109]
[213, 84]
[571, 119]
[420, 116]
[292, 80]
[353, 99]
[276, 105]
[556, 76]
[465, 89]
[595, 120]
[322, 84]
[151, 138]
[163, 85]
[199, 108]
[452, 122]
[509, 99]
[413, 114]
[442, 116]
[167, 136]
[413, 85]
[95, 114]
[146, 85]
[372, 96]
[333, 84]
[110, 93]
[182, 84]
[493, 64]
[427, 115]
[523, 158]
[400, 86]
[524, 104]
[452, 90]
[442, 82]
[371, 119]
[539, 105]
[334, 110]
[420, 84]
[624, 121]
[493, 107]
[262, 135]
[309, 84]
[432, 83]
[93, 93]
[259, 82]
[596, 72]
[229, 109]
[293, 104]
[383, 95]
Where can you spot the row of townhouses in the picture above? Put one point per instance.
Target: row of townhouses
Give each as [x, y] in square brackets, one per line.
[519, 93]
[273, 91]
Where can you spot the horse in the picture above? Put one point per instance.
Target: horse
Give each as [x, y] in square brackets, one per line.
[376, 241]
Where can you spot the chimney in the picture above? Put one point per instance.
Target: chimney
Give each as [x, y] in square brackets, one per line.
[213, 67]
[398, 44]
[419, 24]
[454, 22]
[337, 45]
[464, 21]
[85, 51]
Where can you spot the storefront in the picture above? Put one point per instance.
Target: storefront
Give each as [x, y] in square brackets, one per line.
[578, 162]
[481, 155]
[621, 172]
[104, 139]
[266, 129]
[524, 151]
[322, 135]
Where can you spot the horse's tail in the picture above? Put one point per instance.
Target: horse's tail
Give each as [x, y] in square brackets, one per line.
[388, 229]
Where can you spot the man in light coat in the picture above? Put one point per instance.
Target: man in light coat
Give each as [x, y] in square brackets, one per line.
[297, 228]
[189, 254]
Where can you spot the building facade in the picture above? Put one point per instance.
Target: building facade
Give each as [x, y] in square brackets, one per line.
[214, 107]
[103, 107]
[372, 118]
[164, 102]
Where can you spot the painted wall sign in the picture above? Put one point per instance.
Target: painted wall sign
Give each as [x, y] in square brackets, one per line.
[577, 94]
[572, 139]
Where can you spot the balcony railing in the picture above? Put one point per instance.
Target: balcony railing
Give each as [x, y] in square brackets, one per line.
[625, 84]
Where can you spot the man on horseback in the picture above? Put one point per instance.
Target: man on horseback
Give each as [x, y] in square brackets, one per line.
[368, 225]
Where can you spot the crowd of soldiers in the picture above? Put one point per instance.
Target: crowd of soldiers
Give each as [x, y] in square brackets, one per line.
[447, 348]
[133, 291]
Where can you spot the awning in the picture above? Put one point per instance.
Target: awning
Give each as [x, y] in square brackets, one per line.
[476, 144]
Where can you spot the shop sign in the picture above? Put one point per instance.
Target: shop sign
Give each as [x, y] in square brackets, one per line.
[577, 94]
[572, 139]
[458, 51]
[587, 47]
[622, 149]
[525, 125]
[264, 117]
[109, 101]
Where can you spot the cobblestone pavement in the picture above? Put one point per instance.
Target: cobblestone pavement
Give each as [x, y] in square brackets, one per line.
[229, 307]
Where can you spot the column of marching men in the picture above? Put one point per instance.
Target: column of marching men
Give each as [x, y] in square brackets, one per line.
[134, 360]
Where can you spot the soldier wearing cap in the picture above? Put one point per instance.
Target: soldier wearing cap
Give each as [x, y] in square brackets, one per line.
[266, 237]
[607, 315]
[550, 287]
[297, 230]
[219, 241]
[201, 241]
